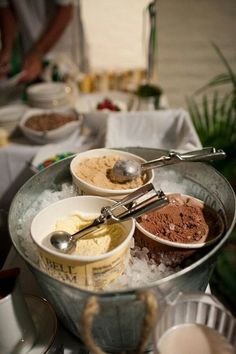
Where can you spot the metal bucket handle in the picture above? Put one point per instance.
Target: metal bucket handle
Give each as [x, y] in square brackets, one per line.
[92, 309]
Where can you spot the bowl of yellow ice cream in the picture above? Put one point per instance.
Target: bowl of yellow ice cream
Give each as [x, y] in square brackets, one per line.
[91, 169]
[99, 257]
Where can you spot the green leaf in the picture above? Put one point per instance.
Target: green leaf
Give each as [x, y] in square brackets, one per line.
[225, 62]
[214, 111]
[205, 116]
[221, 79]
[215, 122]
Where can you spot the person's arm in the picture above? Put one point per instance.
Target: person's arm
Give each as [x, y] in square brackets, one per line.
[8, 30]
[32, 65]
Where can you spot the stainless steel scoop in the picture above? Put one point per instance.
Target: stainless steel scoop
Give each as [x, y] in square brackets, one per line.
[127, 170]
[135, 204]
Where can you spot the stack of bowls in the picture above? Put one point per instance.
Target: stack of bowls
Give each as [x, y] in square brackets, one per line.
[49, 95]
[10, 117]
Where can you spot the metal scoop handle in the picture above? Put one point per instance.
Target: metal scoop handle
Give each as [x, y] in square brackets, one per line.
[158, 200]
[137, 203]
[205, 154]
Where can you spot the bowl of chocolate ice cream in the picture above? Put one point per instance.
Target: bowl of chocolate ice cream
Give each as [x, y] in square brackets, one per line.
[91, 173]
[186, 223]
[49, 126]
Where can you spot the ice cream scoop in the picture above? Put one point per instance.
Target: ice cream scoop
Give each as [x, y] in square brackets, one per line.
[127, 170]
[65, 242]
[137, 203]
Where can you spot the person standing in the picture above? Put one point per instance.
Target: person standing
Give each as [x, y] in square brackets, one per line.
[44, 28]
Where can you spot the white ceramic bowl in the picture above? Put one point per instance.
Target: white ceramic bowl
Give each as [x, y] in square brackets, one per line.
[195, 323]
[91, 189]
[170, 245]
[46, 89]
[49, 95]
[10, 116]
[53, 135]
[92, 272]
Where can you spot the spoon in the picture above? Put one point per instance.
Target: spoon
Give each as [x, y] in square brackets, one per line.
[127, 170]
[135, 205]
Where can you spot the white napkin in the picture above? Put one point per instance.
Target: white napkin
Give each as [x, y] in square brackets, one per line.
[170, 129]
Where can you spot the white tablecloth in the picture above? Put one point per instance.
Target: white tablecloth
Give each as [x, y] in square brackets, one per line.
[170, 129]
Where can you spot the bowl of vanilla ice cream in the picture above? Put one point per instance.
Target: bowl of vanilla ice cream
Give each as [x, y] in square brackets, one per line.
[99, 257]
[90, 172]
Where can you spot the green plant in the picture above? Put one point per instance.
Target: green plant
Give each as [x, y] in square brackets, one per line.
[226, 78]
[214, 117]
[148, 90]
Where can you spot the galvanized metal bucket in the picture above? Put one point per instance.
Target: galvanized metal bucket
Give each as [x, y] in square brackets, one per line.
[119, 323]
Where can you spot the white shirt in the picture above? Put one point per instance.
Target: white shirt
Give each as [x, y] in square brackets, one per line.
[33, 17]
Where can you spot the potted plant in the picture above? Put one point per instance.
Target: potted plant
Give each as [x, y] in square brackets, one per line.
[149, 96]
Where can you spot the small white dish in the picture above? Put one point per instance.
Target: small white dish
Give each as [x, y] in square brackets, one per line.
[88, 102]
[46, 90]
[54, 135]
[49, 154]
[46, 325]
